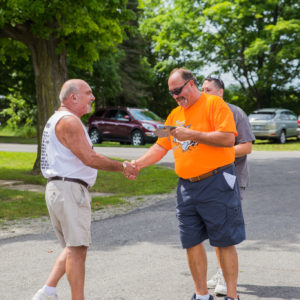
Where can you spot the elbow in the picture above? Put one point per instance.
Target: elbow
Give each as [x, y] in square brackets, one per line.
[249, 149]
[230, 141]
[89, 160]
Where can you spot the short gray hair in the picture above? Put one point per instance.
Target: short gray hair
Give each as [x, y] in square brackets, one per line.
[68, 88]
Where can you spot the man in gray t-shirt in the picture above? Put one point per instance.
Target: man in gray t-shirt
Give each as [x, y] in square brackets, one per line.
[243, 146]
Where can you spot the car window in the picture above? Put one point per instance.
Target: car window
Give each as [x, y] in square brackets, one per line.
[144, 115]
[121, 115]
[292, 116]
[283, 116]
[99, 113]
[111, 114]
[262, 115]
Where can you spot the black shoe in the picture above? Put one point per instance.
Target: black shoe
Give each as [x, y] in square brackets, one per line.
[229, 298]
[210, 297]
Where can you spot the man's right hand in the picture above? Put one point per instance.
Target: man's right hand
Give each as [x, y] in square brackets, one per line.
[130, 171]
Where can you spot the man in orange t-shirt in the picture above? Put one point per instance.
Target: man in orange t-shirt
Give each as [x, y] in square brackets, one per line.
[208, 199]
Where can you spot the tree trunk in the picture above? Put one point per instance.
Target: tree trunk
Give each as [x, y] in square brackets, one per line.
[50, 73]
[50, 69]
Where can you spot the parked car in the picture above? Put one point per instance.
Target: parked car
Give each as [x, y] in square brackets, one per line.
[298, 127]
[126, 125]
[273, 124]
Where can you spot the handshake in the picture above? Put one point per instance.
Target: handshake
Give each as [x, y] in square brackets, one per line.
[130, 170]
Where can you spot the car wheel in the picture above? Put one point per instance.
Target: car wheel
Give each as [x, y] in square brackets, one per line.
[137, 138]
[95, 136]
[282, 137]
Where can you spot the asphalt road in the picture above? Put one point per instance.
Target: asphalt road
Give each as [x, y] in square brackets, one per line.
[138, 255]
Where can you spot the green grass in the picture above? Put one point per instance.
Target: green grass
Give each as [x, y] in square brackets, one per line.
[26, 132]
[260, 145]
[16, 205]
[17, 140]
[23, 140]
[264, 145]
[17, 166]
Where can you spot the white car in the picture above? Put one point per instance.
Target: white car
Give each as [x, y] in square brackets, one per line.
[273, 124]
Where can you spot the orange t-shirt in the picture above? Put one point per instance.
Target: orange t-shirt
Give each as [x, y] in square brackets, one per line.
[209, 113]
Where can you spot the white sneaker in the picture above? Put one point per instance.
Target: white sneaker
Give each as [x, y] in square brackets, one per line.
[212, 283]
[221, 288]
[41, 295]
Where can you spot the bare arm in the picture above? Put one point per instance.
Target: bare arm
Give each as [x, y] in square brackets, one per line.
[243, 149]
[214, 138]
[153, 155]
[70, 133]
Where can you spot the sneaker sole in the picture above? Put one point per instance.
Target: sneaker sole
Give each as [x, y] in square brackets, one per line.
[211, 286]
[220, 291]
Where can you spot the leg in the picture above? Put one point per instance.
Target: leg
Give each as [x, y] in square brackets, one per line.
[198, 265]
[229, 263]
[75, 270]
[58, 270]
[218, 257]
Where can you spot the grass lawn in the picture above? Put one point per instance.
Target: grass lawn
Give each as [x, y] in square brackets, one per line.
[17, 166]
[292, 144]
[23, 140]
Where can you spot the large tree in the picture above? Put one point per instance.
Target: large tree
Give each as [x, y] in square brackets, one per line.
[257, 41]
[57, 31]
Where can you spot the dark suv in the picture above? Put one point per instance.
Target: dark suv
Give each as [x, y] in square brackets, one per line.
[123, 124]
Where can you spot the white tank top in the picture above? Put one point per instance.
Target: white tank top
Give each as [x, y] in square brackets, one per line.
[57, 160]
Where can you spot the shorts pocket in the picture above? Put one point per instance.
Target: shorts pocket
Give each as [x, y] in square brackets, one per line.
[235, 215]
[79, 195]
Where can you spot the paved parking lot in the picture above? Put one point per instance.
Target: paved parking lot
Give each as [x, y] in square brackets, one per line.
[138, 255]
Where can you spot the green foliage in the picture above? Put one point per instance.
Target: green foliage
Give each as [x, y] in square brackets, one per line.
[84, 28]
[257, 42]
[19, 112]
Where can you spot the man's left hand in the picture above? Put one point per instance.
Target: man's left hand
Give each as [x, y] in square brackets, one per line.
[182, 133]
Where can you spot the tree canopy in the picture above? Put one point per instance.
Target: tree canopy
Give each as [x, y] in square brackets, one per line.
[58, 31]
[257, 41]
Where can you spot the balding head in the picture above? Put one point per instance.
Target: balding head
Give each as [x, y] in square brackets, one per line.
[184, 74]
[71, 86]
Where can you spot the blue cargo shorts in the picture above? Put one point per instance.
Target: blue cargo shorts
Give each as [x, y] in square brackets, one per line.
[210, 209]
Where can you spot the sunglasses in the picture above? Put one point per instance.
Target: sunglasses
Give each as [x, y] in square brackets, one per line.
[177, 91]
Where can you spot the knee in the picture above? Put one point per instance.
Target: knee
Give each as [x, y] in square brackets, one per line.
[77, 252]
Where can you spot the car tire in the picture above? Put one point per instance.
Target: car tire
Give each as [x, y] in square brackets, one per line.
[95, 136]
[282, 137]
[137, 138]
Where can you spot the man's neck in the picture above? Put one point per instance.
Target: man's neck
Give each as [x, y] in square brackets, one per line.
[64, 107]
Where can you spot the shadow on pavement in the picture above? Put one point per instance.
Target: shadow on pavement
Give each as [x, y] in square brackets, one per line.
[272, 292]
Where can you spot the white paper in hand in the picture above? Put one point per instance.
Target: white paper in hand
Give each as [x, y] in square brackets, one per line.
[163, 131]
[230, 179]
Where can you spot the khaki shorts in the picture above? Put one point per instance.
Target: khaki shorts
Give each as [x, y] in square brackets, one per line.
[69, 206]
